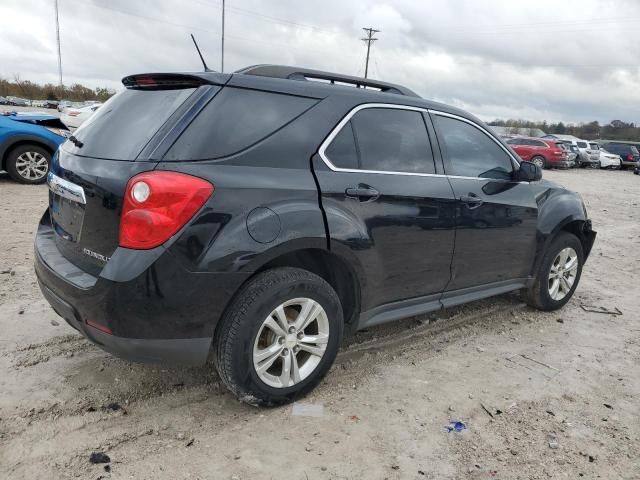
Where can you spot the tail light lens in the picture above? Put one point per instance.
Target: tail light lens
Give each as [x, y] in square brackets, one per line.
[158, 204]
[630, 157]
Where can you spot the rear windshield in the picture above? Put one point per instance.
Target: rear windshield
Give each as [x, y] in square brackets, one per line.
[582, 144]
[234, 120]
[121, 127]
[594, 146]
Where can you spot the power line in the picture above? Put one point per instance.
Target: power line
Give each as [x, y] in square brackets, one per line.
[370, 32]
[58, 41]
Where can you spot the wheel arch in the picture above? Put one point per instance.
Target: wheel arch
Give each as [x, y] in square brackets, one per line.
[334, 269]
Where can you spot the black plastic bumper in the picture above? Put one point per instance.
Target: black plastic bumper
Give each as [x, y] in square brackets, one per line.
[163, 313]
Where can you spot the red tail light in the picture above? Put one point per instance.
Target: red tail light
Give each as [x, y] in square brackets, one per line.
[630, 157]
[158, 204]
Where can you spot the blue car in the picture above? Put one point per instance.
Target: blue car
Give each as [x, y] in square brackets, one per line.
[27, 143]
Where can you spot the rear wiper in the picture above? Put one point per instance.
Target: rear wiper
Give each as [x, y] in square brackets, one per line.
[76, 142]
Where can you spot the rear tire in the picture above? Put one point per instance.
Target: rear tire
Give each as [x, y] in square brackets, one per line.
[259, 351]
[28, 164]
[539, 161]
[556, 279]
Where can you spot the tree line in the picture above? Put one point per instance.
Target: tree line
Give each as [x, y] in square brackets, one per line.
[614, 130]
[34, 91]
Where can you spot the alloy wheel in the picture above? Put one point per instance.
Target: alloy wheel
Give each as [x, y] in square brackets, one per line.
[32, 165]
[563, 273]
[538, 161]
[291, 342]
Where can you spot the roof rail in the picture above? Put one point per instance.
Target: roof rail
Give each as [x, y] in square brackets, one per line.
[296, 73]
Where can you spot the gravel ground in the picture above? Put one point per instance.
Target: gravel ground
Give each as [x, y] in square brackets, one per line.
[560, 390]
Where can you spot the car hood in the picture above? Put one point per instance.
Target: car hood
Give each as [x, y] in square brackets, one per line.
[30, 118]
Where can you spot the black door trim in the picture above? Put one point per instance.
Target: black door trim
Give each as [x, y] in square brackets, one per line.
[420, 305]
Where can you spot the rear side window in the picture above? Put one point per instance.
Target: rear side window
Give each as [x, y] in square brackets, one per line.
[471, 152]
[387, 139]
[634, 150]
[234, 120]
[120, 128]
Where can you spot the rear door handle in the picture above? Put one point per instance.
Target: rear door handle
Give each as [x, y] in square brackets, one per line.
[472, 200]
[362, 193]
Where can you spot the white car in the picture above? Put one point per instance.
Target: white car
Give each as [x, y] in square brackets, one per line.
[609, 160]
[74, 117]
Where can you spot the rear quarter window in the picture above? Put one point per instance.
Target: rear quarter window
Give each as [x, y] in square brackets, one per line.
[234, 120]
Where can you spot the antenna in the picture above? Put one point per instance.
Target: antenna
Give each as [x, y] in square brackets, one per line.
[204, 64]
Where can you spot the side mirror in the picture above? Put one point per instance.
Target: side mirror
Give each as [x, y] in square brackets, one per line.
[529, 172]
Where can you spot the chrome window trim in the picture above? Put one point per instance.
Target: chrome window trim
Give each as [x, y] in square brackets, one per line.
[66, 189]
[336, 130]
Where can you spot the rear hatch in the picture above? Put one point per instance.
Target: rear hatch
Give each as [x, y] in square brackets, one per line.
[126, 136]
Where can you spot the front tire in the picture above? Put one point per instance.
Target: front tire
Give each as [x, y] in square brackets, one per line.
[29, 164]
[279, 336]
[558, 275]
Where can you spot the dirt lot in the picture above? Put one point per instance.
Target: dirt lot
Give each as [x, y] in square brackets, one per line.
[566, 384]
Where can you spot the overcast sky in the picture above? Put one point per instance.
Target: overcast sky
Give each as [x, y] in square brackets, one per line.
[569, 60]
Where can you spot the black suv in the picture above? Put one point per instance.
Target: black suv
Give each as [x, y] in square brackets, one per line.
[628, 153]
[262, 214]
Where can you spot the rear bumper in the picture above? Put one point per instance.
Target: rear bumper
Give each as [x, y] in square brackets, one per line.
[164, 314]
[562, 163]
[175, 351]
[626, 163]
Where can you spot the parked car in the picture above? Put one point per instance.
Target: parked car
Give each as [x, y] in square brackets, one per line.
[545, 153]
[63, 104]
[263, 215]
[51, 103]
[4, 101]
[572, 152]
[588, 157]
[27, 143]
[38, 103]
[629, 153]
[74, 117]
[609, 160]
[18, 102]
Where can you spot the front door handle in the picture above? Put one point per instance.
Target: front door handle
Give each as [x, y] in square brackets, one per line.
[471, 201]
[362, 193]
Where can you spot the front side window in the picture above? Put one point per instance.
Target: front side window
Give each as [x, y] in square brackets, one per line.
[471, 152]
[383, 140]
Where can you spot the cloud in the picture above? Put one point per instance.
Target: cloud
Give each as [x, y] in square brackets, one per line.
[495, 58]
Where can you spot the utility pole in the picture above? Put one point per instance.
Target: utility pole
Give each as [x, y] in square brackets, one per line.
[370, 32]
[58, 40]
[222, 46]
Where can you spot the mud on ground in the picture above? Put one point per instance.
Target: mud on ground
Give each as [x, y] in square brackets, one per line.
[542, 395]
